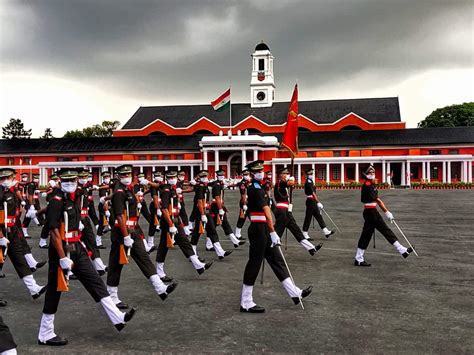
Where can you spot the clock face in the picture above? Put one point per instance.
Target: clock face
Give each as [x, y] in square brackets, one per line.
[260, 96]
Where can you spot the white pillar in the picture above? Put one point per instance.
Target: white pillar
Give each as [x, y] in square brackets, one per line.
[273, 173]
[389, 172]
[423, 170]
[255, 154]
[299, 173]
[445, 171]
[244, 158]
[404, 180]
[216, 159]
[408, 173]
[342, 174]
[327, 173]
[448, 172]
[384, 172]
[428, 171]
[192, 172]
[464, 171]
[204, 159]
[357, 172]
[141, 168]
[469, 170]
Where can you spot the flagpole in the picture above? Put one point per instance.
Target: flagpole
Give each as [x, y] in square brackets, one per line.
[230, 110]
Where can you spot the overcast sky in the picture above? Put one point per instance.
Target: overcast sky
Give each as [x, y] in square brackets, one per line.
[67, 64]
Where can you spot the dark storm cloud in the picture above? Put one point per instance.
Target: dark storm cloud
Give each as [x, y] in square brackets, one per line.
[187, 51]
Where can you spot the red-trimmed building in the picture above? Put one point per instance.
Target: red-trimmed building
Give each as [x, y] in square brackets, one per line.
[338, 138]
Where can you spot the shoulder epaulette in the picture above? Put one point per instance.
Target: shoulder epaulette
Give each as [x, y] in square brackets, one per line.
[59, 198]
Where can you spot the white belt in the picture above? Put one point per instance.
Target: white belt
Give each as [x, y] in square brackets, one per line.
[258, 218]
[371, 204]
[282, 205]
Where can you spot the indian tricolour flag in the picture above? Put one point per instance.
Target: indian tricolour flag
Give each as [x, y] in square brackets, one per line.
[222, 102]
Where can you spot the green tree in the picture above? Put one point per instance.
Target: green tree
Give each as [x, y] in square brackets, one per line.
[15, 129]
[450, 116]
[48, 133]
[105, 129]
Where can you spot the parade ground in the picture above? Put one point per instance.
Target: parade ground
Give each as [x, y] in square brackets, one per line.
[417, 305]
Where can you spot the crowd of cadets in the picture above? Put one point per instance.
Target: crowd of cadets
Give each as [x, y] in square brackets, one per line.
[75, 231]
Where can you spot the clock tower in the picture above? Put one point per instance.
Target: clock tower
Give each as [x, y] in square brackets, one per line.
[262, 83]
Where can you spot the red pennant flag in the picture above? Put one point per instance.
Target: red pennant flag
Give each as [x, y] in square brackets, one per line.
[290, 137]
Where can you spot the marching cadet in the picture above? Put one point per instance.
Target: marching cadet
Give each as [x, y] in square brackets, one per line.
[313, 207]
[90, 201]
[140, 191]
[32, 205]
[67, 253]
[373, 220]
[126, 236]
[155, 210]
[181, 188]
[11, 237]
[267, 185]
[7, 344]
[283, 212]
[219, 211]
[22, 186]
[88, 237]
[204, 221]
[264, 243]
[103, 208]
[242, 186]
[53, 183]
[172, 231]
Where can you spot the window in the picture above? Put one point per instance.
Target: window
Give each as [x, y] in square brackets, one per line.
[453, 151]
[337, 153]
[336, 172]
[11, 161]
[154, 157]
[27, 161]
[90, 158]
[64, 159]
[435, 152]
[142, 157]
[414, 172]
[322, 174]
[434, 172]
[261, 64]
[166, 157]
[350, 173]
[179, 157]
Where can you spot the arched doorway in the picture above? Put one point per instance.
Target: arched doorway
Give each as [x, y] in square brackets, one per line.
[234, 164]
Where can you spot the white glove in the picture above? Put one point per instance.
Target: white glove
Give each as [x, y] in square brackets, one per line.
[389, 216]
[31, 212]
[4, 242]
[37, 192]
[107, 213]
[128, 241]
[193, 182]
[203, 218]
[291, 178]
[320, 205]
[81, 226]
[179, 190]
[144, 182]
[139, 193]
[158, 212]
[275, 239]
[102, 200]
[139, 206]
[95, 187]
[244, 207]
[173, 230]
[52, 183]
[221, 212]
[23, 203]
[65, 263]
[44, 194]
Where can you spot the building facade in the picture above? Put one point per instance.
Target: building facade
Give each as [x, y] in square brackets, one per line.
[337, 138]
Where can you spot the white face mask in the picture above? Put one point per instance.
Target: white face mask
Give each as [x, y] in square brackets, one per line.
[69, 186]
[52, 183]
[106, 181]
[259, 176]
[126, 181]
[310, 177]
[172, 182]
[181, 178]
[141, 178]
[221, 178]
[89, 179]
[247, 177]
[158, 178]
[371, 176]
[8, 183]
[82, 181]
[204, 179]
[35, 180]
[24, 179]
[286, 177]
